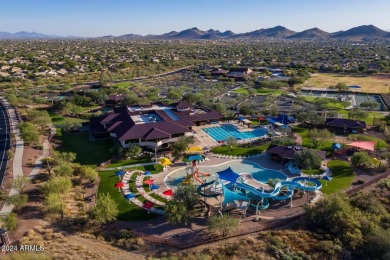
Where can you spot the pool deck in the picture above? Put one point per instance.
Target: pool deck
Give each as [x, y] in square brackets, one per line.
[262, 160]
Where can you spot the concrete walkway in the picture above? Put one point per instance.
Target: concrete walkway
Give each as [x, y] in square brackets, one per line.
[17, 170]
[46, 153]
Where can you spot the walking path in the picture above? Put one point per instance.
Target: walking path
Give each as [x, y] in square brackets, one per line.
[17, 170]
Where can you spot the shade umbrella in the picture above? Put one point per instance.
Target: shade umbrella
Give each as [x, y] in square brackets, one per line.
[168, 192]
[147, 173]
[119, 173]
[154, 187]
[165, 161]
[129, 196]
[119, 185]
[149, 182]
[195, 149]
[326, 178]
[194, 157]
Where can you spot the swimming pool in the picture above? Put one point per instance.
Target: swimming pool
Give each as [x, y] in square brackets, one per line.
[220, 133]
[239, 166]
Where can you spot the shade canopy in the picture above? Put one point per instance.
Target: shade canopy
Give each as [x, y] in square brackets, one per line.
[119, 185]
[327, 178]
[241, 118]
[168, 192]
[154, 187]
[149, 182]
[366, 145]
[129, 196]
[195, 149]
[228, 175]
[147, 173]
[165, 161]
[119, 173]
[194, 157]
[336, 146]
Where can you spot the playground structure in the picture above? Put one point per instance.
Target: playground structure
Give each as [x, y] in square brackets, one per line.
[230, 187]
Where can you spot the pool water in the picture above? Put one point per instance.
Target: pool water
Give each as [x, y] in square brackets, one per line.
[221, 133]
[244, 166]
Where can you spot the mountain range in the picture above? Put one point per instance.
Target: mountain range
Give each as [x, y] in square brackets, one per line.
[279, 32]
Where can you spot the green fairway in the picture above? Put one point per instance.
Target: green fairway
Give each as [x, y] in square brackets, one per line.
[342, 175]
[88, 153]
[127, 211]
[266, 91]
[240, 150]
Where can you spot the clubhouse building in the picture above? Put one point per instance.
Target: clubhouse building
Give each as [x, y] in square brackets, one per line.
[152, 126]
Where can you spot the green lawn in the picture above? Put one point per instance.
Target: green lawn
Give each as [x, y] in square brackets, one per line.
[313, 172]
[240, 150]
[123, 85]
[266, 91]
[88, 153]
[57, 118]
[127, 211]
[129, 162]
[342, 175]
[241, 91]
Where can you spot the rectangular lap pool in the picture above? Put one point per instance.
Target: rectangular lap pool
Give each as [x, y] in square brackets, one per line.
[220, 133]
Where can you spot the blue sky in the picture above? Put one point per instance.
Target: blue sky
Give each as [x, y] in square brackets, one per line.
[116, 17]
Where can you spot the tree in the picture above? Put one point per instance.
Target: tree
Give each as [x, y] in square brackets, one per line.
[132, 151]
[176, 212]
[357, 114]
[174, 94]
[180, 208]
[68, 126]
[231, 141]
[38, 117]
[18, 200]
[19, 183]
[106, 210]
[89, 173]
[369, 105]
[307, 159]
[311, 118]
[181, 145]
[361, 159]
[321, 103]
[67, 157]
[11, 221]
[57, 184]
[54, 204]
[319, 136]
[64, 169]
[245, 110]
[336, 218]
[222, 225]
[29, 132]
[341, 86]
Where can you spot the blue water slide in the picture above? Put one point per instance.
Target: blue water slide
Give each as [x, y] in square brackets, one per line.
[294, 183]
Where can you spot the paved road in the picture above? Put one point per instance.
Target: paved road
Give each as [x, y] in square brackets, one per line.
[4, 141]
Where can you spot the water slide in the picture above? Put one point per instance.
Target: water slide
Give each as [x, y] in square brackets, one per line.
[264, 206]
[298, 182]
[200, 188]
